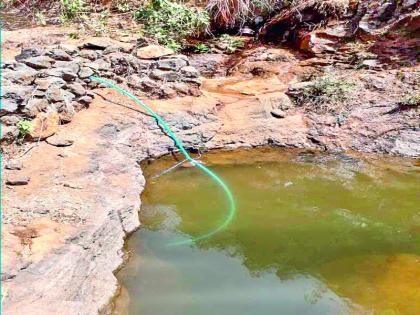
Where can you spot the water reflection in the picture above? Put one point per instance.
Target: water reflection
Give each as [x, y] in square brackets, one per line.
[324, 236]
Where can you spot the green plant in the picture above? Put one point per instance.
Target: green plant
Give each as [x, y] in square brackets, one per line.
[40, 18]
[71, 10]
[73, 35]
[123, 7]
[201, 48]
[24, 127]
[412, 100]
[171, 23]
[230, 44]
[324, 90]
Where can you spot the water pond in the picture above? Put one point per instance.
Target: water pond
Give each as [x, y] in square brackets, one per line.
[314, 234]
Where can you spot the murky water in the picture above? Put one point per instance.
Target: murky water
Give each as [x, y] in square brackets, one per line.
[314, 234]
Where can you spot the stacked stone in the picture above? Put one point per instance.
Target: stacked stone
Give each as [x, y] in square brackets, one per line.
[55, 82]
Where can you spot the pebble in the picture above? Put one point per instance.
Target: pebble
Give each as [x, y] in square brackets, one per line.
[18, 181]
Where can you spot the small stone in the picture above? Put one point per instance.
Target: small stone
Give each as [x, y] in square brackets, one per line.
[370, 63]
[97, 44]
[18, 181]
[59, 141]
[44, 125]
[9, 106]
[153, 52]
[66, 74]
[65, 111]
[73, 66]
[55, 94]
[69, 76]
[29, 53]
[99, 64]
[9, 133]
[10, 120]
[77, 89]
[21, 74]
[189, 72]
[34, 106]
[13, 165]
[169, 76]
[59, 54]
[277, 113]
[171, 64]
[41, 62]
[85, 72]
[44, 83]
[86, 100]
[89, 54]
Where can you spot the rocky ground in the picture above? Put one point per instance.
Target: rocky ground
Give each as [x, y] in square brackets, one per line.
[71, 187]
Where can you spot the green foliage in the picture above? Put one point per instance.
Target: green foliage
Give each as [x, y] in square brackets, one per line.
[171, 23]
[123, 7]
[412, 100]
[71, 10]
[73, 35]
[24, 127]
[324, 90]
[230, 44]
[201, 48]
[40, 18]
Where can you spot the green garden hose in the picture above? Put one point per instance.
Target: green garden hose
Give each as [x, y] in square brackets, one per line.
[232, 207]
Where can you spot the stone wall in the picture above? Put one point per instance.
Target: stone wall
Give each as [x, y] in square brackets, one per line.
[51, 84]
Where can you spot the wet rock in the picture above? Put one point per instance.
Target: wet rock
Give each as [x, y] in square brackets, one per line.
[34, 106]
[59, 54]
[172, 64]
[18, 181]
[77, 89]
[14, 165]
[41, 62]
[44, 125]
[277, 113]
[153, 52]
[59, 141]
[169, 76]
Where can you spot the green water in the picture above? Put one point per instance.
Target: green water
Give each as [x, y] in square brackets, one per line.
[314, 234]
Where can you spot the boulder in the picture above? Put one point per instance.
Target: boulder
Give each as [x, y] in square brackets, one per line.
[44, 125]
[77, 89]
[169, 76]
[21, 74]
[153, 52]
[44, 84]
[34, 106]
[40, 62]
[59, 54]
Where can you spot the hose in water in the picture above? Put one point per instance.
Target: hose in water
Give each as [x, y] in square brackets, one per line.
[231, 202]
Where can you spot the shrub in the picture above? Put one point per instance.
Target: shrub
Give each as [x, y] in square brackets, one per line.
[230, 44]
[412, 100]
[171, 23]
[201, 48]
[325, 90]
[24, 127]
[71, 10]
